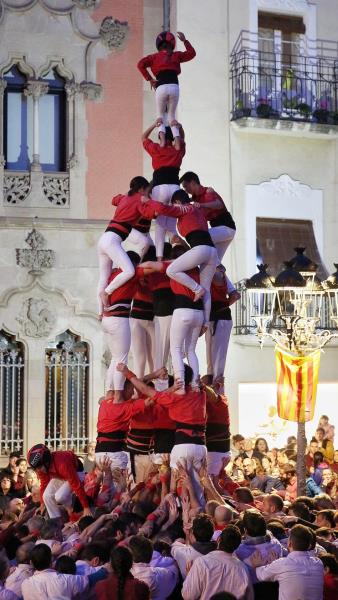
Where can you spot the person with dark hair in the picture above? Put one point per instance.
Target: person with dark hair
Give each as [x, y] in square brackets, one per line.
[300, 510]
[6, 490]
[200, 543]
[325, 444]
[12, 460]
[188, 411]
[121, 584]
[257, 540]
[222, 226]
[91, 559]
[330, 576]
[217, 433]
[165, 65]
[161, 581]
[300, 576]
[218, 571]
[313, 447]
[65, 564]
[273, 505]
[5, 594]
[325, 518]
[47, 583]
[166, 162]
[60, 474]
[22, 571]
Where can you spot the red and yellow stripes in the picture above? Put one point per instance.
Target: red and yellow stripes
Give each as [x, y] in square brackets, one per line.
[297, 378]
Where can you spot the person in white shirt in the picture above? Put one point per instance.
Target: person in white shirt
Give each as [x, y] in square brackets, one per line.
[23, 571]
[160, 580]
[200, 543]
[47, 583]
[4, 571]
[219, 571]
[300, 576]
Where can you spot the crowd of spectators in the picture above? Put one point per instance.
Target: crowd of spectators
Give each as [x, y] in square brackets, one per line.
[250, 537]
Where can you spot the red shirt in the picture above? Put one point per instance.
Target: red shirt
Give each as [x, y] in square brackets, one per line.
[143, 420]
[206, 195]
[180, 290]
[189, 218]
[117, 417]
[130, 209]
[162, 419]
[123, 294]
[218, 412]
[134, 589]
[189, 408]
[64, 466]
[164, 157]
[330, 587]
[165, 61]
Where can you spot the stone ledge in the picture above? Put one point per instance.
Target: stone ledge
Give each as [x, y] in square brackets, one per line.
[287, 128]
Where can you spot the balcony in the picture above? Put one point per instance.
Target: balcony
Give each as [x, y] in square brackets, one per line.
[287, 87]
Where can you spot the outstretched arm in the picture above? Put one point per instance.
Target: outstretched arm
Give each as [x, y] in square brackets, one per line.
[150, 129]
[139, 385]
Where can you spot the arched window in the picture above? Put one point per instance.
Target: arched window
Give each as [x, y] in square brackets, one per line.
[67, 376]
[52, 124]
[17, 122]
[11, 394]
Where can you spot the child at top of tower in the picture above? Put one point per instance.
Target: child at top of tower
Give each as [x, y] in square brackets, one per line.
[165, 66]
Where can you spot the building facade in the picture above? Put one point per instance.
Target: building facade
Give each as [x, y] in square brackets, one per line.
[73, 107]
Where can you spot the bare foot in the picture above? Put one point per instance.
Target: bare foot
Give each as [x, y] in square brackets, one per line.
[199, 294]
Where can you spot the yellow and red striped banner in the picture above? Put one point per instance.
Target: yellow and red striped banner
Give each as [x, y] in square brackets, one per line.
[297, 378]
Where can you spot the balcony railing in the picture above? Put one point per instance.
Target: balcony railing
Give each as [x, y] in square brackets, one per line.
[244, 325]
[287, 81]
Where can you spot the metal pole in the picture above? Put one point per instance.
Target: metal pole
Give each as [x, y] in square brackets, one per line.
[301, 467]
[166, 15]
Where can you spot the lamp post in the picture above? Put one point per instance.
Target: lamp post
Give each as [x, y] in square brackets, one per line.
[288, 310]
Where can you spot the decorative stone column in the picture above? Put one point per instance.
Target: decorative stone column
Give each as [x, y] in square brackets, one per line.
[72, 90]
[36, 89]
[3, 85]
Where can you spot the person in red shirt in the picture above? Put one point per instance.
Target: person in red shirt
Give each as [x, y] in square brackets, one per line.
[165, 65]
[217, 336]
[142, 323]
[192, 225]
[113, 424]
[217, 433]
[120, 584]
[166, 162]
[330, 576]
[116, 324]
[59, 474]
[188, 411]
[128, 213]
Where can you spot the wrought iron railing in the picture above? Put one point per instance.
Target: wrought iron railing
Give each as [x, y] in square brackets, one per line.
[11, 397]
[293, 81]
[244, 325]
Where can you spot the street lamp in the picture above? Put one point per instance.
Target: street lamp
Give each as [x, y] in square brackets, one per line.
[288, 310]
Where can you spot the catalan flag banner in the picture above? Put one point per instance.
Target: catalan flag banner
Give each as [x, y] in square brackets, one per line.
[297, 378]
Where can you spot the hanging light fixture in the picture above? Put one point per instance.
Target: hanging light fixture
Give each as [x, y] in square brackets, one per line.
[331, 287]
[262, 299]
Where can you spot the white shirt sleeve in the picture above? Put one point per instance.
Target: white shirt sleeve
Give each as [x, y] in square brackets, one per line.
[270, 572]
[193, 583]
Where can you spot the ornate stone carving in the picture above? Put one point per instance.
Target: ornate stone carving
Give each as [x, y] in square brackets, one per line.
[36, 318]
[16, 187]
[72, 162]
[56, 190]
[72, 89]
[85, 3]
[36, 258]
[36, 89]
[285, 5]
[91, 91]
[284, 185]
[3, 85]
[113, 33]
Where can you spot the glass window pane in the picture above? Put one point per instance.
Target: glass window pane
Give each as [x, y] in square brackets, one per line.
[17, 151]
[48, 130]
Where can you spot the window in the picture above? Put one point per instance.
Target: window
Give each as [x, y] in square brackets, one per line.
[281, 34]
[277, 238]
[11, 394]
[67, 371]
[17, 107]
[52, 124]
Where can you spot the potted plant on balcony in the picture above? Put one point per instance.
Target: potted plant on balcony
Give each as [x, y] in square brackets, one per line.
[241, 110]
[304, 110]
[263, 109]
[321, 115]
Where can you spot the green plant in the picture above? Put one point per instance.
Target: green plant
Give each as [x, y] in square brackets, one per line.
[304, 109]
[263, 110]
[321, 115]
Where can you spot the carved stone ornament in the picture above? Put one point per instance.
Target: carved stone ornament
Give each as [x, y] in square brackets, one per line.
[36, 318]
[36, 258]
[85, 3]
[36, 89]
[284, 186]
[91, 91]
[284, 5]
[16, 188]
[56, 190]
[113, 33]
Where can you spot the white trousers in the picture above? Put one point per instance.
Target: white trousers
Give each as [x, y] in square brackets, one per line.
[142, 345]
[119, 460]
[166, 97]
[58, 492]
[192, 457]
[110, 251]
[185, 328]
[162, 347]
[222, 237]
[206, 258]
[217, 347]
[118, 337]
[162, 193]
[141, 241]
